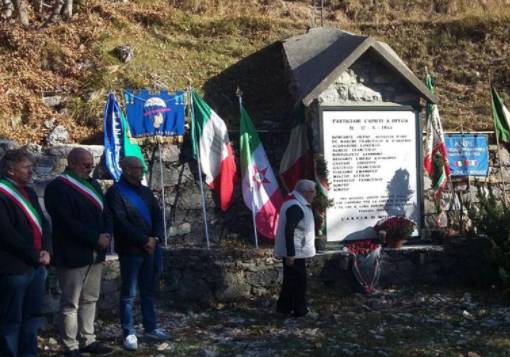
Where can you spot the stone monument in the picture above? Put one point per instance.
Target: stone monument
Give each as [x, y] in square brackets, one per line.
[363, 105]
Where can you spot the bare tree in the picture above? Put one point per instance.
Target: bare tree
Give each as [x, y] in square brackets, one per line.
[62, 8]
[18, 8]
[21, 10]
[12, 7]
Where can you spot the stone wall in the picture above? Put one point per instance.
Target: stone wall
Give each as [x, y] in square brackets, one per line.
[182, 195]
[458, 203]
[108, 300]
[367, 82]
[205, 276]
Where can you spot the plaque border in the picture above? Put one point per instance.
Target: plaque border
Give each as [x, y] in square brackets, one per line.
[419, 148]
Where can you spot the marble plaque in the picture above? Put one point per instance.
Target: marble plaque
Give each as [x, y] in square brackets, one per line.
[372, 161]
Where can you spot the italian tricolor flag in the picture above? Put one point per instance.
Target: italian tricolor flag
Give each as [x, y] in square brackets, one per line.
[297, 160]
[501, 117]
[210, 140]
[436, 158]
[261, 192]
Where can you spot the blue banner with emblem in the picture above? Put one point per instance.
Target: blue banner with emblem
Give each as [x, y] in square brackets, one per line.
[158, 115]
[468, 154]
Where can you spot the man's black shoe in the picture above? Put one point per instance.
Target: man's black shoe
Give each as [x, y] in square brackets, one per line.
[283, 314]
[300, 313]
[97, 348]
[73, 353]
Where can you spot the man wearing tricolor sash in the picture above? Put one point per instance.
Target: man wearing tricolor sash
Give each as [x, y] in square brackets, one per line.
[24, 246]
[134, 217]
[295, 241]
[75, 204]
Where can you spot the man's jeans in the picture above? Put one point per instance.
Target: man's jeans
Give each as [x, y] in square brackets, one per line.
[137, 270]
[21, 297]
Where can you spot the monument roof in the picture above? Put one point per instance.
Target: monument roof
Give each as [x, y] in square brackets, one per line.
[317, 58]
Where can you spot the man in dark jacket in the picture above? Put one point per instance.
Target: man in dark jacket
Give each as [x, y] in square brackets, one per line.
[24, 245]
[133, 215]
[75, 204]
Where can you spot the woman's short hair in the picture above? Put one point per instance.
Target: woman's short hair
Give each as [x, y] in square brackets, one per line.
[12, 157]
[304, 185]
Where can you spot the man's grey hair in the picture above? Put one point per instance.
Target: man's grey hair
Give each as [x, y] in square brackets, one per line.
[304, 185]
[12, 157]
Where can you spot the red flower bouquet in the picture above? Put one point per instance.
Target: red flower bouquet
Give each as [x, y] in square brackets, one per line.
[361, 247]
[394, 229]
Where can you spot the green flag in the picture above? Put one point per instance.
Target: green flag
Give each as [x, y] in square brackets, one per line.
[131, 148]
[501, 117]
[117, 141]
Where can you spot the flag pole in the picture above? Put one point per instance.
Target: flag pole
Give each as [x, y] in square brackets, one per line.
[461, 223]
[155, 86]
[162, 182]
[253, 219]
[202, 196]
[497, 144]
[239, 94]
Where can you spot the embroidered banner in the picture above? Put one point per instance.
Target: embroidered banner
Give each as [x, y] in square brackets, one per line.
[156, 115]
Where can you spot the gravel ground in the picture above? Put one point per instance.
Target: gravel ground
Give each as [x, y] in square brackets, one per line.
[416, 321]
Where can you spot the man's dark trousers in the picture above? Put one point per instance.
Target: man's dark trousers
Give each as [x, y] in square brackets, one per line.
[293, 293]
[21, 297]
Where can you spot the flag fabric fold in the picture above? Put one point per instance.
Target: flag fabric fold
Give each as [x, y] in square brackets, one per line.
[436, 158]
[297, 160]
[261, 192]
[117, 143]
[211, 143]
[501, 117]
[322, 186]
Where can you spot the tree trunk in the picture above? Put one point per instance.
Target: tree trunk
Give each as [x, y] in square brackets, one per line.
[55, 13]
[38, 7]
[68, 9]
[22, 12]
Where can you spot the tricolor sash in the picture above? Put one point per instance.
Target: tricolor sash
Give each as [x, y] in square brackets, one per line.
[136, 201]
[83, 187]
[31, 214]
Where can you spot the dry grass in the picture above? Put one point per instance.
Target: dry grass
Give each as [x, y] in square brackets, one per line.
[177, 41]
[375, 11]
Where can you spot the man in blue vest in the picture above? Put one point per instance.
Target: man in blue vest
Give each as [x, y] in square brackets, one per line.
[134, 217]
[75, 204]
[24, 245]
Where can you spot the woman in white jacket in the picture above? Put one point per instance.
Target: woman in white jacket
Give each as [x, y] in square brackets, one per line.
[295, 237]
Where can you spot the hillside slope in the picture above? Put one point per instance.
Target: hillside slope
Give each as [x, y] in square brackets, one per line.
[461, 42]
